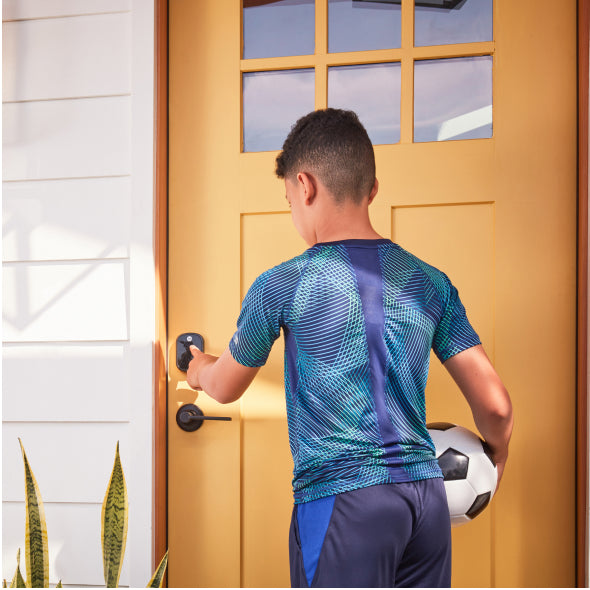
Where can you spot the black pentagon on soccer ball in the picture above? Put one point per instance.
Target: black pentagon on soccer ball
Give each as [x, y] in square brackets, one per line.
[440, 425]
[453, 464]
[479, 504]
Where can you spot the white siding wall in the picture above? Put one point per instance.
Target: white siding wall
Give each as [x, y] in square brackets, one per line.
[78, 284]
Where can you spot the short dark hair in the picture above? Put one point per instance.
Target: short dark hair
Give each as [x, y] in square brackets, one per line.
[333, 145]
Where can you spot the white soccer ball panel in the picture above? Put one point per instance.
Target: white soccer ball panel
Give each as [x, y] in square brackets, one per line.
[461, 439]
[482, 474]
[460, 496]
[440, 441]
[459, 520]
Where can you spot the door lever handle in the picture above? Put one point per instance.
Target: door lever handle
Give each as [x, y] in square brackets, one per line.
[190, 417]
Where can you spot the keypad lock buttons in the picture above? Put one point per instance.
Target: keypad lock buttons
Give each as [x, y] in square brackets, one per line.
[183, 353]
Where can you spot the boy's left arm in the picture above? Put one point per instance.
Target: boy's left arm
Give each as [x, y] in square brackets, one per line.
[490, 403]
[222, 378]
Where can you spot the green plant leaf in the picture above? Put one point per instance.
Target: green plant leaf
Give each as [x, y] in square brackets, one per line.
[158, 577]
[17, 579]
[115, 509]
[59, 585]
[36, 551]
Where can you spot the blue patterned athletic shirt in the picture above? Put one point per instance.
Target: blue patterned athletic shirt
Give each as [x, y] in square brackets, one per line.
[359, 318]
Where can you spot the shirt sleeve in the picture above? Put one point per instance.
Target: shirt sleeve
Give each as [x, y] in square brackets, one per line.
[259, 323]
[453, 333]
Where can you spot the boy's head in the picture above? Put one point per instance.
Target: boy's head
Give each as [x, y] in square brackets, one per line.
[332, 145]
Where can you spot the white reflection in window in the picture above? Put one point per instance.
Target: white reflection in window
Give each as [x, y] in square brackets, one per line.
[276, 28]
[363, 26]
[453, 99]
[373, 93]
[273, 101]
[470, 21]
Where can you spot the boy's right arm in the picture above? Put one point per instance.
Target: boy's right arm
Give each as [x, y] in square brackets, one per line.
[488, 399]
[222, 378]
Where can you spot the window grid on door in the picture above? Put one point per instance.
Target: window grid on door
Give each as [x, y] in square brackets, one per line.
[408, 55]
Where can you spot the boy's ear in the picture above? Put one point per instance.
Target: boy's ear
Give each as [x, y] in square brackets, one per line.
[374, 190]
[308, 184]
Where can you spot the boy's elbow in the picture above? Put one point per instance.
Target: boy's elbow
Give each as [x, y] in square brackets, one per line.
[223, 394]
[227, 380]
[228, 397]
[500, 411]
[503, 407]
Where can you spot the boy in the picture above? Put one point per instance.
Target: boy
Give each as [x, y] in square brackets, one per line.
[359, 315]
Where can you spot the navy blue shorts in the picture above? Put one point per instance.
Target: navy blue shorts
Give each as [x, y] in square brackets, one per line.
[384, 536]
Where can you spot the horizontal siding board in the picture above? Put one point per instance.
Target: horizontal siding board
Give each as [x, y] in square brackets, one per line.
[64, 302]
[80, 382]
[26, 9]
[71, 462]
[73, 531]
[66, 219]
[67, 138]
[83, 63]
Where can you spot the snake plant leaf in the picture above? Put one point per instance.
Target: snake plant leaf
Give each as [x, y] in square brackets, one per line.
[59, 585]
[36, 550]
[115, 509]
[158, 578]
[17, 580]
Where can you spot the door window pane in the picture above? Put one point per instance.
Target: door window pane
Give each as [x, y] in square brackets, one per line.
[373, 92]
[468, 21]
[276, 28]
[453, 99]
[272, 102]
[360, 25]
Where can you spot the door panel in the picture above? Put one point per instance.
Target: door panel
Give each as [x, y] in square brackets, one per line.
[266, 240]
[498, 215]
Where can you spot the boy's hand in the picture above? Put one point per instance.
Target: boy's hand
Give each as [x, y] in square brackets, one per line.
[195, 366]
[500, 459]
[500, 466]
[224, 379]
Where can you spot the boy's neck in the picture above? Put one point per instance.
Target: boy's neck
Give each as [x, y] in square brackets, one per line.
[345, 222]
[348, 235]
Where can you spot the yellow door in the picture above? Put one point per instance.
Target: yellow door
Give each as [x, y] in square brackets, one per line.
[497, 212]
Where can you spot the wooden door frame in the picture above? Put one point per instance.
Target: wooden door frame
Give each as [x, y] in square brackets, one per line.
[160, 470]
[582, 305]
[160, 424]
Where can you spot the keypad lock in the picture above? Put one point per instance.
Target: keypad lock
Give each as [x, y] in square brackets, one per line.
[183, 353]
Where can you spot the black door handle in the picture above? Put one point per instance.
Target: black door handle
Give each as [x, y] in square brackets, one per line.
[190, 417]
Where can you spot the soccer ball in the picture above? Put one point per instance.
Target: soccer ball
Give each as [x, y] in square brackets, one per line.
[469, 471]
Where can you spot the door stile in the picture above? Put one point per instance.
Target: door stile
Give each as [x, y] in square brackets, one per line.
[160, 467]
[582, 337]
[407, 74]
